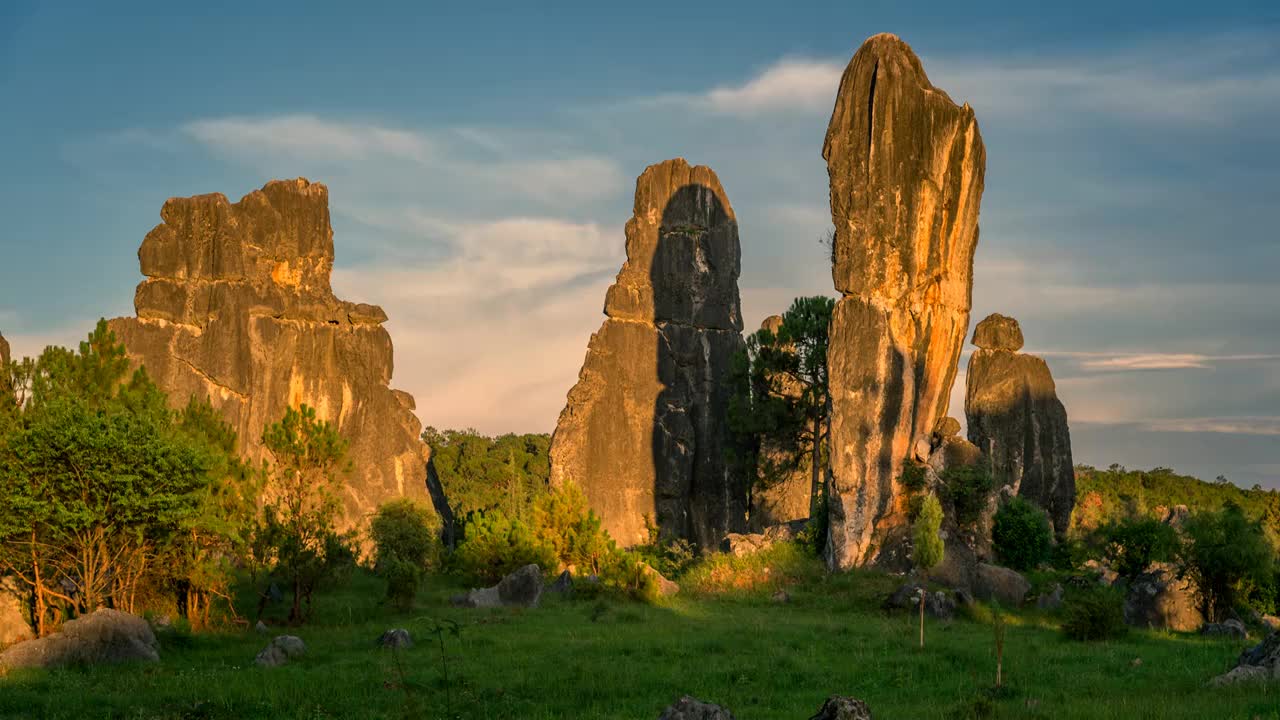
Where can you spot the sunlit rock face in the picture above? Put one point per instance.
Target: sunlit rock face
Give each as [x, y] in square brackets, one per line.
[1017, 421]
[906, 171]
[644, 431]
[236, 306]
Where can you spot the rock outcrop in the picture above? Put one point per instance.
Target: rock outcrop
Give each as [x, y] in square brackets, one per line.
[1160, 600]
[644, 431]
[840, 707]
[1017, 421]
[281, 650]
[13, 622]
[522, 588]
[691, 708]
[906, 167]
[103, 636]
[237, 307]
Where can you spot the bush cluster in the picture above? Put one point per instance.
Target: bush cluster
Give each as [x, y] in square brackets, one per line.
[1095, 613]
[1020, 535]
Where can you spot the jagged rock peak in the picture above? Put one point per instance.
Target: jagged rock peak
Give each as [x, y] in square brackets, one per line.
[998, 332]
[906, 167]
[4, 350]
[644, 431]
[683, 257]
[237, 307]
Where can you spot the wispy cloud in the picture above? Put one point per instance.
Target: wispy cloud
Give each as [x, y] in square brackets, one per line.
[1105, 361]
[1183, 80]
[1258, 425]
[468, 156]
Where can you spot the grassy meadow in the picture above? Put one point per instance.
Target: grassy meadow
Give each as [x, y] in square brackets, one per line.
[611, 658]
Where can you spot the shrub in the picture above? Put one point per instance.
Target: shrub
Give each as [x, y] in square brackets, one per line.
[1095, 613]
[627, 573]
[967, 489]
[1130, 546]
[764, 571]
[1226, 555]
[563, 522]
[814, 535]
[913, 476]
[494, 546]
[1020, 534]
[927, 547]
[405, 545]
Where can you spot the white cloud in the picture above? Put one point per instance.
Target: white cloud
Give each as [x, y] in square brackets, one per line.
[492, 337]
[1198, 80]
[308, 136]
[789, 85]
[1105, 361]
[479, 161]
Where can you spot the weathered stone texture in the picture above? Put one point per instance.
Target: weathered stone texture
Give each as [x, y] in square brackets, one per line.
[1017, 421]
[237, 307]
[103, 636]
[906, 168]
[644, 431]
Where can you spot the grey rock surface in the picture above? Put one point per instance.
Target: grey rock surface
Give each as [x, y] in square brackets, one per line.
[1020, 425]
[102, 637]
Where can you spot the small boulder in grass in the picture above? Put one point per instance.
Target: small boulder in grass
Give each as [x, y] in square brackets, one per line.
[280, 651]
[396, 639]
[691, 708]
[840, 707]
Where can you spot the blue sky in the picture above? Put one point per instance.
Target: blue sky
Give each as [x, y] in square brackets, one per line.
[481, 157]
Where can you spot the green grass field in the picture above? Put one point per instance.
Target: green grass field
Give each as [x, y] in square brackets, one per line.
[617, 659]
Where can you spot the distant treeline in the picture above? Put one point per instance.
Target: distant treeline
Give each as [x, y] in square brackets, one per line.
[1117, 493]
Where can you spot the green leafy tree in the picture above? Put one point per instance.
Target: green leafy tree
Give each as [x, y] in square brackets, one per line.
[1132, 545]
[480, 473]
[1225, 554]
[927, 548]
[297, 536]
[1020, 534]
[781, 407]
[494, 545]
[967, 488]
[406, 544]
[98, 478]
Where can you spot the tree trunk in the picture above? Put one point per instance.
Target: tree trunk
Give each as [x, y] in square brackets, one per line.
[815, 470]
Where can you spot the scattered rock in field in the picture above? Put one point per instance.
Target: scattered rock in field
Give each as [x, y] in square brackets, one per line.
[937, 604]
[1231, 628]
[781, 597]
[237, 306]
[666, 588]
[688, 708]
[992, 582]
[13, 624]
[742, 544]
[906, 168]
[1136, 662]
[1260, 662]
[1158, 599]
[396, 638]
[839, 707]
[281, 650]
[522, 588]
[261, 628]
[1051, 600]
[1104, 575]
[644, 431]
[563, 584]
[1018, 422]
[103, 636]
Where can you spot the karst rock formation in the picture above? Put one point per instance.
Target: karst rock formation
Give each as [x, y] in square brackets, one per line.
[236, 307]
[906, 169]
[1016, 419]
[644, 431]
